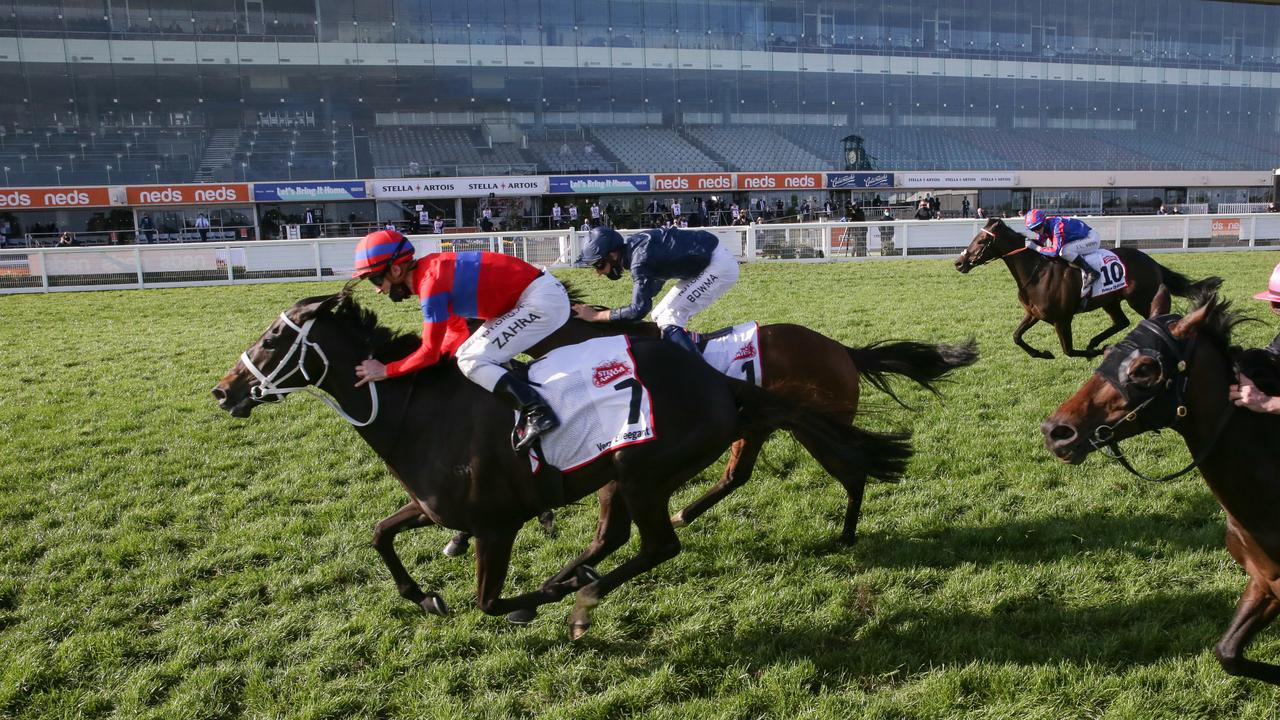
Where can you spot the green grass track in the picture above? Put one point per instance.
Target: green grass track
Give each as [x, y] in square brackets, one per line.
[160, 559]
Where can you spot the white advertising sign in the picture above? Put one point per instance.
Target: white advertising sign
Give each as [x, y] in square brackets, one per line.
[955, 180]
[504, 186]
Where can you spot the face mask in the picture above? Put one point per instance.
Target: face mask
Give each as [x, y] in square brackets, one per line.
[615, 271]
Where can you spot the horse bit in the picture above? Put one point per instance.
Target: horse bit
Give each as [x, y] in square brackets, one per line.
[269, 389]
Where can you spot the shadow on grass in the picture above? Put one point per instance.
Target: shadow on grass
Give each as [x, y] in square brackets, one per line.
[1149, 535]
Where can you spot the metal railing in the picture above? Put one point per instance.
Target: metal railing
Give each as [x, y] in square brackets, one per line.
[239, 262]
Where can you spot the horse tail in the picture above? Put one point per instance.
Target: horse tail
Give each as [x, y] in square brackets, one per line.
[920, 362]
[1182, 286]
[847, 452]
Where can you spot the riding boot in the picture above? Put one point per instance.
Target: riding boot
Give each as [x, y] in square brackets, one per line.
[681, 337]
[1091, 275]
[538, 416]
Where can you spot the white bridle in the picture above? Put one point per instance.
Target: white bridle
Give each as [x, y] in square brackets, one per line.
[268, 388]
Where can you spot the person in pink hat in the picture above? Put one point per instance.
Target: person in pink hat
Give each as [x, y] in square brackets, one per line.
[1246, 394]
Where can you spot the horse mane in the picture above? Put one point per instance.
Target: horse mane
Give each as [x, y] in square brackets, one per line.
[1220, 319]
[362, 323]
[578, 297]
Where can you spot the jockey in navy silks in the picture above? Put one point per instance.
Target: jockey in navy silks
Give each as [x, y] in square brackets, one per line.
[1069, 238]
[705, 268]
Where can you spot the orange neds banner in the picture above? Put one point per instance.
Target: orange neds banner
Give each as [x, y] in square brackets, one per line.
[779, 181]
[55, 197]
[693, 181]
[189, 194]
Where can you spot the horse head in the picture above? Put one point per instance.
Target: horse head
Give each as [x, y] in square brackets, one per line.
[289, 356]
[993, 241]
[1144, 381]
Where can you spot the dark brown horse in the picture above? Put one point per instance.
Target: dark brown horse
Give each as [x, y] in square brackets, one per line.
[1049, 290]
[1174, 372]
[808, 368]
[447, 441]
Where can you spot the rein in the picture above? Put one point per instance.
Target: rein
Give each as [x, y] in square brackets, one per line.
[1103, 437]
[270, 390]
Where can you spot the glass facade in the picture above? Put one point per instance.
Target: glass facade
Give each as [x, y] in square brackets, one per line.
[1183, 67]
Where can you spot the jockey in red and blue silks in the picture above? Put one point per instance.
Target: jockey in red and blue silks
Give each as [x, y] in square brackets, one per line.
[519, 303]
[1068, 238]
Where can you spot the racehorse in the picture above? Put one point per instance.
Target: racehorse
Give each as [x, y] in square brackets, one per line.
[1174, 372]
[1050, 291]
[805, 366]
[447, 441]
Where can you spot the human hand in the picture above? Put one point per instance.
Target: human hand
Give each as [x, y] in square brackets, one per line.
[370, 371]
[588, 313]
[1247, 395]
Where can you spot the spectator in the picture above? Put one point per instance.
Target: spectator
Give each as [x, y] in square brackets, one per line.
[148, 229]
[982, 214]
[1162, 210]
[595, 214]
[556, 215]
[675, 208]
[923, 212]
[5, 229]
[781, 209]
[202, 227]
[573, 214]
[886, 232]
[1273, 208]
[438, 226]
[964, 207]
[586, 226]
[67, 240]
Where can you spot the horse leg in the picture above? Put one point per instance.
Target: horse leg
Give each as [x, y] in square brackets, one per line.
[457, 545]
[1119, 321]
[658, 543]
[1027, 321]
[1063, 328]
[742, 460]
[1257, 607]
[613, 530]
[384, 535]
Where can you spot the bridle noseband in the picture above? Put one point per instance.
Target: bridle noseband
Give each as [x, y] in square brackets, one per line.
[1154, 408]
[269, 389]
[993, 236]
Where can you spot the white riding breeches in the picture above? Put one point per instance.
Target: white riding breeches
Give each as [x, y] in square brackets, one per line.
[692, 296]
[1081, 248]
[542, 308]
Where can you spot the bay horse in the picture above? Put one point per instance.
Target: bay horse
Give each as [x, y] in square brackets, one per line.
[801, 364]
[447, 441]
[1050, 291]
[1174, 372]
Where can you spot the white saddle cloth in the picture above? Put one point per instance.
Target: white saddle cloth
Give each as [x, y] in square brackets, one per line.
[1112, 273]
[602, 405]
[735, 351]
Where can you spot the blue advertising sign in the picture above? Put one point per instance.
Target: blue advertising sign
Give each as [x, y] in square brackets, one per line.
[599, 184]
[310, 191]
[850, 180]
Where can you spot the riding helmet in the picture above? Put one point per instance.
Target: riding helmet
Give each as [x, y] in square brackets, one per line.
[1272, 292]
[1035, 218]
[379, 250]
[600, 242]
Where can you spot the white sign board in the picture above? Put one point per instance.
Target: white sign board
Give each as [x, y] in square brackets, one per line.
[503, 186]
[939, 180]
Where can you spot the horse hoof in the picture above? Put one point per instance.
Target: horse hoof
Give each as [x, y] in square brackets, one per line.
[433, 604]
[521, 617]
[677, 521]
[587, 575]
[578, 629]
[1046, 355]
[455, 548]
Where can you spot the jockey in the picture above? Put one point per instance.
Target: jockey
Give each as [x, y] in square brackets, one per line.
[1245, 393]
[1068, 237]
[704, 267]
[519, 303]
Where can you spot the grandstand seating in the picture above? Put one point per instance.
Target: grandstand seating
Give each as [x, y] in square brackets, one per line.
[414, 150]
[169, 155]
[33, 156]
[646, 149]
[570, 156]
[756, 148]
[266, 153]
